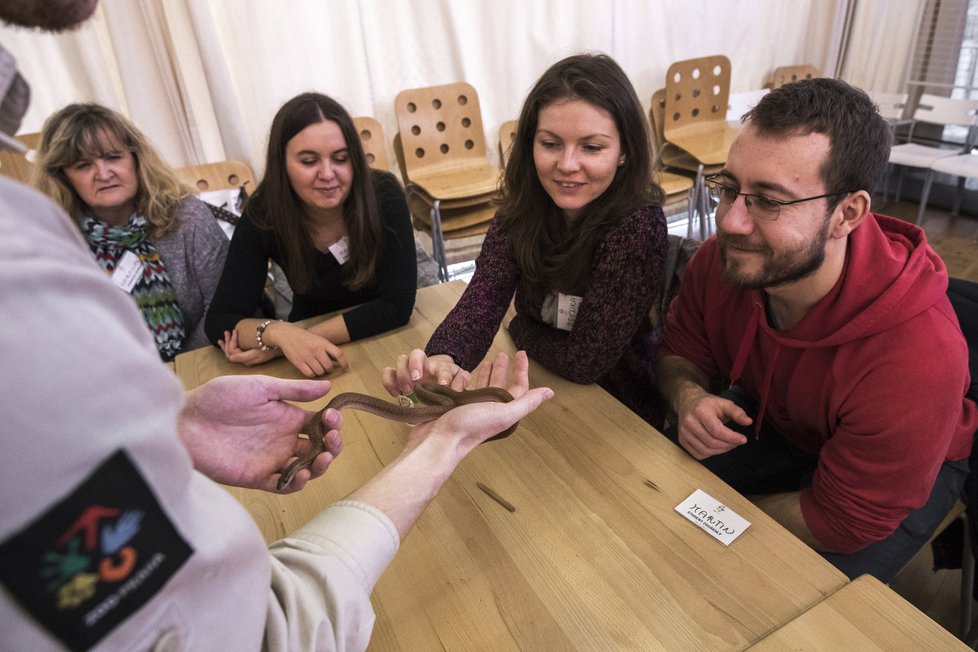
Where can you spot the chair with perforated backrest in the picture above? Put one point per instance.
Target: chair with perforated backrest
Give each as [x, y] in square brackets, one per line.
[372, 138]
[217, 176]
[507, 132]
[441, 149]
[213, 183]
[694, 119]
[18, 165]
[937, 110]
[787, 74]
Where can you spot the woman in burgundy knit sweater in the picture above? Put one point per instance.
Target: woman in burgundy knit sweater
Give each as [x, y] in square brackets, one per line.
[579, 238]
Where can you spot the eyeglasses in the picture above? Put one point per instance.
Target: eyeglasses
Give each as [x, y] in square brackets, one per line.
[758, 206]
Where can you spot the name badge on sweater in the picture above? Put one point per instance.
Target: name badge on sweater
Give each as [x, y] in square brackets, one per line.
[127, 272]
[341, 249]
[567, 305]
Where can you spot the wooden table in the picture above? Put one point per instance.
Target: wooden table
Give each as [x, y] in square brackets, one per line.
[863, 615]
[592, 558]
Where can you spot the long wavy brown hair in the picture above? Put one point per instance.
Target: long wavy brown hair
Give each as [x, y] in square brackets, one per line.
[280, 210]
[548, 249]
[81, 131]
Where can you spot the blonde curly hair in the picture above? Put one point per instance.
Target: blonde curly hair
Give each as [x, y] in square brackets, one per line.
[81, 131]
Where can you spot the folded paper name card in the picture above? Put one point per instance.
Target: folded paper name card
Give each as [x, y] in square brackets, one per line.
[713, 516]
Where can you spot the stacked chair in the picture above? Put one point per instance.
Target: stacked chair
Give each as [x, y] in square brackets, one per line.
[217, 176]
[450, 183]
[507, 132]
[696, 134]
[941, 111]
[372, 138]
[787, 74]
[17, 165]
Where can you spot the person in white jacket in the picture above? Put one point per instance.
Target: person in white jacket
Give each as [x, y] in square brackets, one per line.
[113, 531]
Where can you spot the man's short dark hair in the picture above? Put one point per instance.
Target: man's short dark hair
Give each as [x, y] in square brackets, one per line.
[859, 137]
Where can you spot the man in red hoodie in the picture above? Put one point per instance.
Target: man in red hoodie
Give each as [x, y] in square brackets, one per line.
[830, 327]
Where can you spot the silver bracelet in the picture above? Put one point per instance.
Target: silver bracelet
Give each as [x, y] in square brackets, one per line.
[261, 331]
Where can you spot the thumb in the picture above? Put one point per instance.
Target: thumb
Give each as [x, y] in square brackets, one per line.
[530, 401]
[298, 390]
[737, 414]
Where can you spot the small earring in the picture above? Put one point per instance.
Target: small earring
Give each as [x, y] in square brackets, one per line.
[621, 162]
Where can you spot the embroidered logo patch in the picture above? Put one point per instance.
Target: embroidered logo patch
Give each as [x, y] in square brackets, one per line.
[95, 557]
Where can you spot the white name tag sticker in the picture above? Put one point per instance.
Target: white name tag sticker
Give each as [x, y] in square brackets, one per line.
[341, 249]
[711, 515]
[127, 272]
[567, 305]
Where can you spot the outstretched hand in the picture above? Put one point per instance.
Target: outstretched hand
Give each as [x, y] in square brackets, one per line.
[240, 430]
[472, 424]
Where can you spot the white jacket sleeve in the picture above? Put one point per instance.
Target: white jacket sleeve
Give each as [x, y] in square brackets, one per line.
[322, 577]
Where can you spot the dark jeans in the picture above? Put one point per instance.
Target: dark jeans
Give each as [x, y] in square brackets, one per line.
[768, 464]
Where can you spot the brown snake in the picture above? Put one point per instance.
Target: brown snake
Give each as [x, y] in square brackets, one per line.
[437, 401]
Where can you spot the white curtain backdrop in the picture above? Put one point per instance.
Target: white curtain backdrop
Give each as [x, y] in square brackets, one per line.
[203, 78]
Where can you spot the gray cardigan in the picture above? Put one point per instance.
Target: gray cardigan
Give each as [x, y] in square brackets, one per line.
[194, 257]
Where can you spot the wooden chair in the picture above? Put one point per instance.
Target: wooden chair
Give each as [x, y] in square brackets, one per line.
[372, 137]
[507, 132]
[695, 120]
[441, 150]
[680, 171]
[18, 165]
[217, 176]
[787, 74]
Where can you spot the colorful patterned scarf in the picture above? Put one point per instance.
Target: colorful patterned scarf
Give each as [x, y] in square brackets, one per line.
[153, 292]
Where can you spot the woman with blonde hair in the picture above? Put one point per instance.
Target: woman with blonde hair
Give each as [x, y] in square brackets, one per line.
[160, 244]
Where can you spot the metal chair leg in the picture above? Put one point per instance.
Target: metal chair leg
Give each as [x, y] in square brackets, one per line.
[928, 180]
[438, 242]
[957, 197]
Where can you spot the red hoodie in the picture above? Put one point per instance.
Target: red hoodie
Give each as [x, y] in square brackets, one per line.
[872, 378]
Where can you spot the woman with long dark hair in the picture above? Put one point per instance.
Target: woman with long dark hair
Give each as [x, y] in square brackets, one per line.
[340, 231]
[579, 240]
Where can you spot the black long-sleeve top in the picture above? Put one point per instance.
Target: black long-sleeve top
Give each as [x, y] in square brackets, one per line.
[380, 306]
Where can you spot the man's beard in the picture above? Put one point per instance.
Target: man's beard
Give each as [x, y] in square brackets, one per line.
[778, 268]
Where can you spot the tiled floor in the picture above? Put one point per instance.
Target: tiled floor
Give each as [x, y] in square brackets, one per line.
[937, 593]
